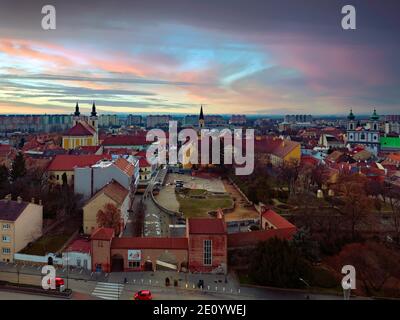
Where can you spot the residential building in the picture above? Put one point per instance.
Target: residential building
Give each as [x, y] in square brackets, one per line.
[108, 120]
[153, 121]
[20, 223]
[35, 123]
[78, 254]
[238, 120]
[132, 142]
[90, 179]
[277, 151]
[330, 141]
[298, 118]
[134, 120]
[113, 193]
[66, 163]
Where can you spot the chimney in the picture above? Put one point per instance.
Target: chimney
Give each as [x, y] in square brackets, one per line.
[8, 197]
[40, 202]
[33, 200]
[19, 199]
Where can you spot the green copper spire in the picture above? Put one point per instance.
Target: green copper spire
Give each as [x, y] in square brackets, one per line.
[351, 115]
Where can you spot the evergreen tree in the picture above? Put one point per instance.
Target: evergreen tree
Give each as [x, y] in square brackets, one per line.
[18, 167]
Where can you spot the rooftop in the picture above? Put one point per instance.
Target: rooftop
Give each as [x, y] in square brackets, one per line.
[11, 210]
[67, 162]
[114, 191]
[206, 226]
[150, 243]
[102, 234]
[275, 219]
[80, 129]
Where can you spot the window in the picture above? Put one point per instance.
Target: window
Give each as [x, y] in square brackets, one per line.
[6, 250]
[362, 136]
[58, 177]
[207, 255]
[78, 262]
[6, 226]
[134, 264]
[6, 239]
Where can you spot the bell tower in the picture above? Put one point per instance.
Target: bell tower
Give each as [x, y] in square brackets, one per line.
[94, 122]
[77, 115]
[201, 118]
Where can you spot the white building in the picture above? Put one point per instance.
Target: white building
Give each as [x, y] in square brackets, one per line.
[89, 180]
[77, 255]
[369, 135]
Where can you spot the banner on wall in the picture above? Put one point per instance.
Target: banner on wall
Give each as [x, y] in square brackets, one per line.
[134, 255]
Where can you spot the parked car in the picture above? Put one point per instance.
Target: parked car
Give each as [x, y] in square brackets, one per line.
[143, 295]
[59, 283]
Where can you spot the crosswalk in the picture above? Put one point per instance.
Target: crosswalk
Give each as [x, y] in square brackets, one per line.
[108, 290]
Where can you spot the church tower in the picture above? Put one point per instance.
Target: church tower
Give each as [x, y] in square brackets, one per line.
[374, 121]
[351, 127]
[94, 122]
[201, 118]
[77, 115]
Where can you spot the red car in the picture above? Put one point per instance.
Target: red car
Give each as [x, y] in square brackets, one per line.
[59, 282]
[143, 295]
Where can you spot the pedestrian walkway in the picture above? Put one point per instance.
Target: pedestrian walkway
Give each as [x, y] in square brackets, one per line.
[108, 291]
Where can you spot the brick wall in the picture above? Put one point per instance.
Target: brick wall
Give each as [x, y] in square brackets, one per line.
[196, 251]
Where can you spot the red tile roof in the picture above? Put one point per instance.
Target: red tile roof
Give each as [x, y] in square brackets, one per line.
[89, 149]
[103, 234]
[114, 191]
[79, 245]
[67, 162]
[144, 163]
[125, 141]
[206, 226]
[125, 166]
[275, 146]
[150, 243]
[277, 220]
[80, 129]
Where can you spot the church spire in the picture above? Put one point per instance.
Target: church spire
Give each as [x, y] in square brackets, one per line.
[94, 113]
[201, 118]
[77, 112]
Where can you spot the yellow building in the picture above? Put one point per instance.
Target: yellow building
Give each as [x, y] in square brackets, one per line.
[277, 151]
[113, 193]
[66, 164]
[286, 152]
[20, 223]
[84, 132]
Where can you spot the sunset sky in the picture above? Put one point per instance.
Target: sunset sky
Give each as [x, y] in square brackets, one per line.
[170, 56]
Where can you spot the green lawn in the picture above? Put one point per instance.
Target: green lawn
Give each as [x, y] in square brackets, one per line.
[46, 244]
[193, 207]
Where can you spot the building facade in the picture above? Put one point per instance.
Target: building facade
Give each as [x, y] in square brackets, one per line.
[368, 135]
[20, 223]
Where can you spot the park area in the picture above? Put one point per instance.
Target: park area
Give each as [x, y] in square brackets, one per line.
[201, 195]
[198, 202]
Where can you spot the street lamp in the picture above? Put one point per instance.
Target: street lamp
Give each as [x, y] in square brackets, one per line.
[308, 287]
